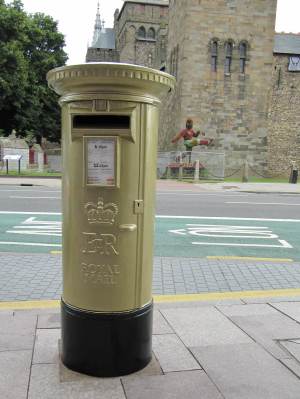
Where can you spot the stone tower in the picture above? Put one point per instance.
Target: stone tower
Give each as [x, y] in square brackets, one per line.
[141, 32]
[103, 47]
[221, 52]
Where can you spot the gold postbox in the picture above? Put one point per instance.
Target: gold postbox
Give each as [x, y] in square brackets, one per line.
[109, 141]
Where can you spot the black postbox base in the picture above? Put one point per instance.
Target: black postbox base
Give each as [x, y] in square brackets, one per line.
[106, 344]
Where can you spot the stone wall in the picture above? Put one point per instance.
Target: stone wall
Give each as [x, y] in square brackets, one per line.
[142, 49]
[171, 113]
[103, 55]
[284, 116]
[231, 107]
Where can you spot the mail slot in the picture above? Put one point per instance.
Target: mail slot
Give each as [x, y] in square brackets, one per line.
[109, 141]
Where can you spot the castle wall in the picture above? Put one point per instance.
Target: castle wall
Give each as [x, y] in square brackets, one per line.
[103, 55]
[231, 107]
[284, 116]
[134, 48]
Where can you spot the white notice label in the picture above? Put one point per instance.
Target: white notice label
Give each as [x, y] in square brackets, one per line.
[101, 161]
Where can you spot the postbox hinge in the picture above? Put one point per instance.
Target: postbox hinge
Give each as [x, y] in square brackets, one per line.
[138, 207]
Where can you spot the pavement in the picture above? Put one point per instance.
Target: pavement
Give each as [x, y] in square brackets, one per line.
[286, 188]
[201, 350]
[225, 329]
[31, 277]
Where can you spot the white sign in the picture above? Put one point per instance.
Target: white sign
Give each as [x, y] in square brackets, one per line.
[12, 157]
[101, 161]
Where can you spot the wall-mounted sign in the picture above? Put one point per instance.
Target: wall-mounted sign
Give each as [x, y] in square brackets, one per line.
[101, 161]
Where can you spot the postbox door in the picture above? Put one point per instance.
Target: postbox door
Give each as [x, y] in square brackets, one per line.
[102, 246]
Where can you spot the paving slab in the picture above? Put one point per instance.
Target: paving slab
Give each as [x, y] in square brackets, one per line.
[160, 325]
[172, 354]
[45, 384]
[6, 313]
[17, 331]
[67, 375]
[293, 347]
[46, 346]
[246, 310]
[39, 311]
[49, 320]
[246, 371]
[200, 326]
[196, 303]
[271, 299]
[291, 309]
[14, 374]
[185, 384]
[153, 368]
[267, 329]
[293, 365]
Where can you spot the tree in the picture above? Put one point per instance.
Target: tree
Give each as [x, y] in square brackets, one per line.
[30, 45]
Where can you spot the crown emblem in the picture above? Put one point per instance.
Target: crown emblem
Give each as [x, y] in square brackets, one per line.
[100, 213]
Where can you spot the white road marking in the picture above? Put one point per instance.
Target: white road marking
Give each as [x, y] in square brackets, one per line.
[200, 194]
[214, 226]
[29, 213]
[228, 231]
[46, 227]
[21, 190]
[37, 233]
[32, 221]
[31, 244]
[31, 226]
[262, 203]
[225, 218]
[283, 242]
[19, 197]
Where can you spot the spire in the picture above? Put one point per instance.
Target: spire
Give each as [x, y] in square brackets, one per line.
[98, 26]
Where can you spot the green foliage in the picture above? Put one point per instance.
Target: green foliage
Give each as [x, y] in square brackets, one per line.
[30, 45]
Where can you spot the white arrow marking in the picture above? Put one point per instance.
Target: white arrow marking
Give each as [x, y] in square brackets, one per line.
[32, 232]
[40, 222]
[182, 232]
[31, 226]
[227, 226]
[284, 244]
[32, 244]
[266, 235]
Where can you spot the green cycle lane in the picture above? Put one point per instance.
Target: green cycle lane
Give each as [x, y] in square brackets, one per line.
[199, 237]
[175, 236]
[30, 232]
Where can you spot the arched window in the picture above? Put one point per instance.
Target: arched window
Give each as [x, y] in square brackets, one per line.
[141, 32]
[214, 55]
[243, 56]
[151, 33]
[228, 57]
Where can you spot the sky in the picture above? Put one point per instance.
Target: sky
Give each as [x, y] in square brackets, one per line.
[76, 20]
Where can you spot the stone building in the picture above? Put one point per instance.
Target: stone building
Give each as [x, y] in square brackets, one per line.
[235, 77]
[141, 32]
[103, 47]
[139, 35]
[222, 61]
[284, 111]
